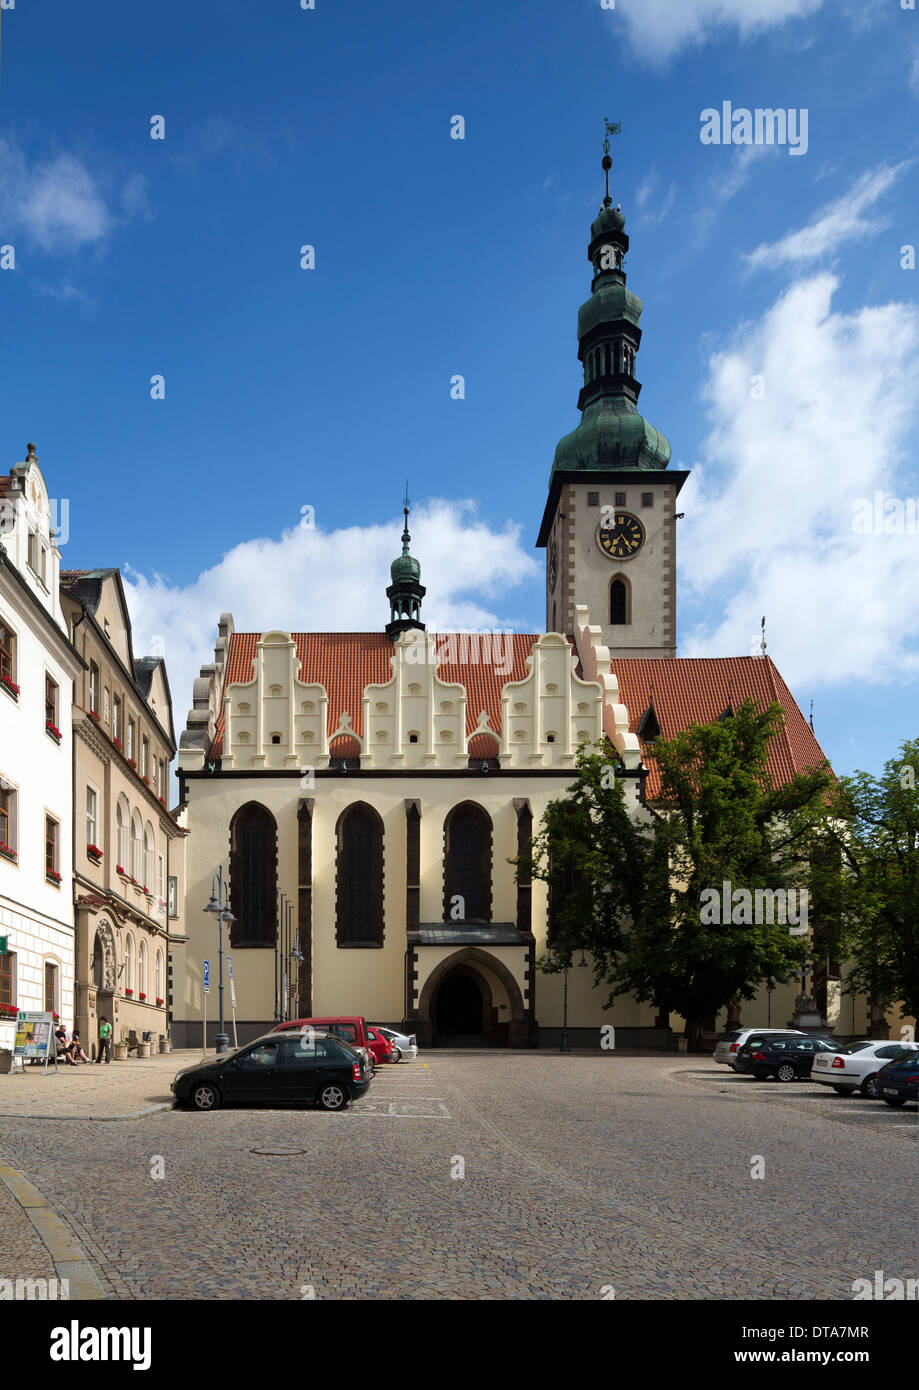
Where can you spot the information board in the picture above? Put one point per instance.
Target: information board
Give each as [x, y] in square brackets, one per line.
[35, 1038]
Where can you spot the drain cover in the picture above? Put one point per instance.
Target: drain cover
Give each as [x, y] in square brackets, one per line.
[279, 1153]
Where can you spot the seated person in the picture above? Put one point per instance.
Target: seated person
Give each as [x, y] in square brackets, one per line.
[64, 1045]
[76, 1048]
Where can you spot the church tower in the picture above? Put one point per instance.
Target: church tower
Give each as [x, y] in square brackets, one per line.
[406, 590]
[609, 528]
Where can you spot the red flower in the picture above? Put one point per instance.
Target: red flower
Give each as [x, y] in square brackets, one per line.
[7, 849]
[141, 995]
[93, 714]
[133, 763]
[94, 852]
[117, 743]
[10, 684]
[159, 1001]
[129, 993]
[52, 729]
[120, 870]
[53, 875]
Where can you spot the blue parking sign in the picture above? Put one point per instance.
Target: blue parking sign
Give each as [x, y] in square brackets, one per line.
[207, 976]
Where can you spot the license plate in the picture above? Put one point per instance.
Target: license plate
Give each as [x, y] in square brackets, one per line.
[889, 1092]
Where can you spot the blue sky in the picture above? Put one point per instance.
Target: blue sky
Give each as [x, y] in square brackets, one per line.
[287, 388]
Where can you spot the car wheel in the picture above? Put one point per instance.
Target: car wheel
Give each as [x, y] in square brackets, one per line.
[842, 1090]
[870, 1087]
[895, 1102]
[205, 1096]
[396, 1053]
[785, 1072]
[332, 1096]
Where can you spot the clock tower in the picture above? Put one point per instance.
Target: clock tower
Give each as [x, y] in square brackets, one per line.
[609, 528]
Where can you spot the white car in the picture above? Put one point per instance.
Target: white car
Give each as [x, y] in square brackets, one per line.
[728, 1046]
[404, 1046]
[856, 1067]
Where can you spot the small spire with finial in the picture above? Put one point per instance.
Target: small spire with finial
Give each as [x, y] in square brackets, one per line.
[762, 645]
[406, 538]
[812, 717]
[611, 128]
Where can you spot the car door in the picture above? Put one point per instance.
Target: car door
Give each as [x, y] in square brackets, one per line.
[298, 1075]
[251, 1078]
[804, 1051]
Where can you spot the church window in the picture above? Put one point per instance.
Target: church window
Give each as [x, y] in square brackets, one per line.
[253, 876]
[593, 499]
[467, 864]
[275, 738]
[359, 877]
[619, 603]
[619, 500]
[413, 737]
[550, 738]
[647, 499]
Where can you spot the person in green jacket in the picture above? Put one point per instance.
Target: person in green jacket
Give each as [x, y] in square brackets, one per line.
[105, 1040]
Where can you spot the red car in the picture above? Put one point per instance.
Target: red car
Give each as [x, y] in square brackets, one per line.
[351, 1029]
[381, 1047]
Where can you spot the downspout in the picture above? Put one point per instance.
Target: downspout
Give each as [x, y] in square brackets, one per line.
[73, 819]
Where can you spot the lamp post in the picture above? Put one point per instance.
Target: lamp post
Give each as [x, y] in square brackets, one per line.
[565, 1045]
[278, 957]
[219, 907]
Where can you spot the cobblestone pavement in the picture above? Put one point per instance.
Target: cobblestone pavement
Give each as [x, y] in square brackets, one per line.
[582, 1172]
[23, 1254]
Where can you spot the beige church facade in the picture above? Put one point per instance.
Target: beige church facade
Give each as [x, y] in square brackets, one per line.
[364, 793]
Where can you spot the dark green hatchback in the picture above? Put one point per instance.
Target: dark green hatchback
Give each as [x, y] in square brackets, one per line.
[294, 1069]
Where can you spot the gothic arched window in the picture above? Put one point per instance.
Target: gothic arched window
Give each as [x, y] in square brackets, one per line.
[619, 614]
[359, 877]
[467, 864]
[253, 876]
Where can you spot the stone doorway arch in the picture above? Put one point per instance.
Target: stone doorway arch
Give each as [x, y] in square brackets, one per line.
[434, 1006]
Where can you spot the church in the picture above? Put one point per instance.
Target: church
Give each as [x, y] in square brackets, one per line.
[366, 791]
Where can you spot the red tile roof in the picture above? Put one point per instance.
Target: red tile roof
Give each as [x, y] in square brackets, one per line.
[686, 690]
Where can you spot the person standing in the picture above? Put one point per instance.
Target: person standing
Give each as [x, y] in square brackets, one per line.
[105, 1040]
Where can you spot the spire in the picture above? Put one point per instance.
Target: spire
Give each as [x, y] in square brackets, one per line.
[612, 435]
[406, 590]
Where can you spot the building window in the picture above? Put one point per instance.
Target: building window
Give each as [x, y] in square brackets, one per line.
[131, 733]
[92, 806]
[116, 717]
[129, 962]
[593, 499]
[7, 978]
[7, 820]
[52, 849]
[149, 857]
[137, 847]
[50, 987]
[51, 694]
[7, 654]
[467, 864]
[160, 975]
[94, 687]
[106, 705]
[173, 907]
[161, 779]
[254, 876]
[142, 970]
[359, 877]
[160, 876]
[619, 499]
[144, 756]
[122, 835]
[647, 499]
[618, 603]
[32, 553]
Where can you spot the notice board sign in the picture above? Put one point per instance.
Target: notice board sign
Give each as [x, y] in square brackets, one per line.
[35, 1038]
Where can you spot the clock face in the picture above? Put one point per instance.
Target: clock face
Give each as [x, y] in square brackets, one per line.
[622, 537]
[553, 564]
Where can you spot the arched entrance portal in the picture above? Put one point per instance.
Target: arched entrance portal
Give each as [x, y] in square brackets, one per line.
[458, 1008]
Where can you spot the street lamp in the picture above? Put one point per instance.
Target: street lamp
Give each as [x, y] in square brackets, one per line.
[219, 907]
[565, 1045]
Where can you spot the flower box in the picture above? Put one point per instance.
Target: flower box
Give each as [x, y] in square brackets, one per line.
[147, 780]
[119, 870]
[129, 994]
[147, 891]
[53, 730]
[10, 687]
[133, 763]
[53, 876]
[134, 881]
[9, 1011]
[8, 852]
[117, 743]
[94, 852]
[141, 995]
[94, 714]
[159, 1003]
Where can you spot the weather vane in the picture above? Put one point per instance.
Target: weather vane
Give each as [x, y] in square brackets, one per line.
[611, 128]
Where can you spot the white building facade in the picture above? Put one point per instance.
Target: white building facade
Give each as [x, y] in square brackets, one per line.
[38, 665]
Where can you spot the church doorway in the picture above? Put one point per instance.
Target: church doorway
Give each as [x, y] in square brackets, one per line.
[458, 1010]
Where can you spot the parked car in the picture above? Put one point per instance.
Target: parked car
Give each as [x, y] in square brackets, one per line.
[898, 1082]
[787, 1059]
[351, 1028]
[857, 1067]
[404, 1045]
[380, 1047]
[275, 1070]
[728, 1047]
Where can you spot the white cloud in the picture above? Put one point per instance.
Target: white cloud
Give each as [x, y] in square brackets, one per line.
[834, 224]
[653, 201]
[311, 580]
[769, 526]
[58, 203]
[660, 28]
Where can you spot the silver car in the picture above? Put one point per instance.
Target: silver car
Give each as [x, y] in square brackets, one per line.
[729, 1046]
[404, 1046]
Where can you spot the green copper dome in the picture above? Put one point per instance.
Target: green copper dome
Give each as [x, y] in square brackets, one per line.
[405, 567]
[612, 435]
[406, 590]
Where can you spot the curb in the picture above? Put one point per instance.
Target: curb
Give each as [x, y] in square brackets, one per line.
[66, 1251]
[132, 1115]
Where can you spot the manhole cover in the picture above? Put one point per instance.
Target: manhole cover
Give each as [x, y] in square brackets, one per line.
[279, 1153]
